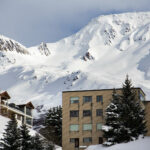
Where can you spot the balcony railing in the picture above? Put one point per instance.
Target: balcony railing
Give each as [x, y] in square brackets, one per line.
[15, 110]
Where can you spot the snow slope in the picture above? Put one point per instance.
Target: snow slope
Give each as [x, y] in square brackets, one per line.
[141, 144]
[98, 56]
[3, 123]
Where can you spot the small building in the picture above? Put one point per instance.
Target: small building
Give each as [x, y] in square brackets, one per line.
[83, 116]
[22, 112]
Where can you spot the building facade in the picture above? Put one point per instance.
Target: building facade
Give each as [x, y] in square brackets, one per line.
[22, 112]
[83, 116]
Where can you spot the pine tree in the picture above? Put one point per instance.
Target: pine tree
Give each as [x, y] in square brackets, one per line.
[125, 118]
[25, 138]
[11, 136]
[53, 125]
[113, 129]
[50, 146]
[133, 116]
[140, 123]
[37, 143]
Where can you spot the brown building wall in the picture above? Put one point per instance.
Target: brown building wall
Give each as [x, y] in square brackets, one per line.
[67, 120]
[147, 110]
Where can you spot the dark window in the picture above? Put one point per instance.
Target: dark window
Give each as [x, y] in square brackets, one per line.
[87, 113]
[74, 113]
[87, 140]
[28, 111]
[21, 108]
[100, 140]
[87, 99]
[29, 121]
[76, 143]
[99, 112]
[99, 98]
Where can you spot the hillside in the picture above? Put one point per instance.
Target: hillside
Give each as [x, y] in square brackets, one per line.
[98, 56]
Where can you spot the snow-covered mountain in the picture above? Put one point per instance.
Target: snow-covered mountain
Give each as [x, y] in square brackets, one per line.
[98, 56]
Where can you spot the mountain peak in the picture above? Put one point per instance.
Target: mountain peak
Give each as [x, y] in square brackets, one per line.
[7, 44]
[98, 56]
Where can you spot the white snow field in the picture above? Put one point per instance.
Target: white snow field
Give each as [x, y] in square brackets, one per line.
[141, 144]
[98, 56]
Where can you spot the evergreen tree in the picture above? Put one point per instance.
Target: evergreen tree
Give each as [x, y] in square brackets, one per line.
[50, 146]
[26, 138]
[11, 136]
[133, 116]
[140, 123]
[125, 117]
[37, 143]
[53, 125]
[113, 129]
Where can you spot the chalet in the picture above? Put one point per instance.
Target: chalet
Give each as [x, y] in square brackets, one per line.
[22, 112]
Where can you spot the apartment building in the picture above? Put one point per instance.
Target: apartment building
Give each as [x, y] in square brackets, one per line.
[22, 112]
[83, 116]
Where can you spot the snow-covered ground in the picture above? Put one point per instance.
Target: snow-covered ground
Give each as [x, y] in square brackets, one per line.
[98, 56]
[3, 123]
[141, 144]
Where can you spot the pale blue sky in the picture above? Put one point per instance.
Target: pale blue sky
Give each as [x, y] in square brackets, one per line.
[31, 22]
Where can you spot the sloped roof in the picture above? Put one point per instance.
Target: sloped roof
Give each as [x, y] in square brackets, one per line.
[27, 104]
[5, 95]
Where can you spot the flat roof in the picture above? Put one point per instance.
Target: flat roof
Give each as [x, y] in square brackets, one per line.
[101, 90]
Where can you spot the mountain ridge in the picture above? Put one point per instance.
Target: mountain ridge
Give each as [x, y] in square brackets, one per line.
[98, 56]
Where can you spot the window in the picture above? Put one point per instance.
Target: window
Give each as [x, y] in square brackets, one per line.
[75, 141]
[87, 99]
[29, 121]
[29, 111]
[99, 98]
[98, 126]
[74, 100]
[72, 140]
[74, 127]
[87, 139]
[74, 113]
[87, 127]
[99, 112]
[87, 113]
[21, 108]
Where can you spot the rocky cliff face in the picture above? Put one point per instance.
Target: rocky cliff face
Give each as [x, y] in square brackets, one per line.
[7, 44]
